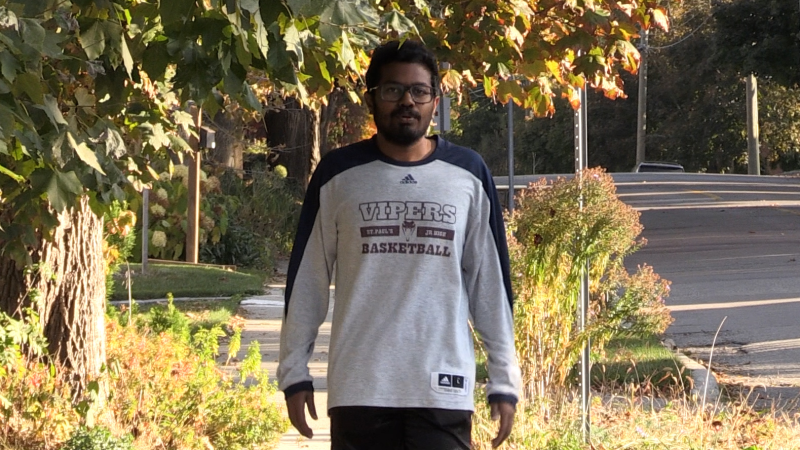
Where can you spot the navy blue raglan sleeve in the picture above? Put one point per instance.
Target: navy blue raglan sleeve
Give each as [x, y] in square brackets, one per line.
[307, 286]
[487, 279]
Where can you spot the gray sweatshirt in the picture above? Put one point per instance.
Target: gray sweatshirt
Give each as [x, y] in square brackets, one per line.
[420, 251]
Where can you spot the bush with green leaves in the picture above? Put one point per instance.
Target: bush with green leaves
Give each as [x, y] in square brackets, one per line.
[551, 240]
[163, 318]
[98, 438]
[118, 240]
[168, 203]
[270, 203]
[171, 392]
[35, 403]
[240, 246]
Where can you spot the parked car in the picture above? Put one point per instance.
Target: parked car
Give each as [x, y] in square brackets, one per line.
[658, 166]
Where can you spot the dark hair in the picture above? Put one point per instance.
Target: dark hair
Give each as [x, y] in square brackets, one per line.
[404, 52]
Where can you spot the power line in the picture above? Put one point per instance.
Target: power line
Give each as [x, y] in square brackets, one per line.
[661, 47]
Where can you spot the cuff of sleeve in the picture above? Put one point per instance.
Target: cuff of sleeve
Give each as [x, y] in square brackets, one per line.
[298, 387]
[494, 398]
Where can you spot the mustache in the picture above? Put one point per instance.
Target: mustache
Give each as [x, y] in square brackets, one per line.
[406, 111]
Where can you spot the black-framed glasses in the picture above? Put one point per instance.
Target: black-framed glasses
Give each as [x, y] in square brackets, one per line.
[393, 92]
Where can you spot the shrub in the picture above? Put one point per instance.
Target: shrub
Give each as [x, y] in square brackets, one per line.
[550, 242]
[97, 438]
[270, 203]
[169, 198]
[118, 240]
[240, 246]
[169, 394]
[163, 318]
[35, 404]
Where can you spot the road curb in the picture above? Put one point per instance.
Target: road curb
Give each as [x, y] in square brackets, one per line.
[705, 388]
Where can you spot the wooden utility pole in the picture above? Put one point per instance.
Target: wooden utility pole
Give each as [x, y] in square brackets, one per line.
[193, 209]
[641, 122]
[753, 154]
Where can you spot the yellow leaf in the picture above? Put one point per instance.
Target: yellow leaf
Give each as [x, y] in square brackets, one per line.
[660, 18]
[451, 80]
[555, 69]
[468, 76]
[489, 86]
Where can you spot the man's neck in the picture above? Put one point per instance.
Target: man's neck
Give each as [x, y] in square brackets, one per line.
[406, 153]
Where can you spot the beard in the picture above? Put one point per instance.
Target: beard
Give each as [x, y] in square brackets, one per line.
[400, 133]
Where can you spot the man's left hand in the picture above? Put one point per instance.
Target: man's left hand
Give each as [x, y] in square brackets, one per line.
[503, 411]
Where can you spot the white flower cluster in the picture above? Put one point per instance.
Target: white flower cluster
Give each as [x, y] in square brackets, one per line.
[158, 210]
[181, 172]
[207, 223]
[163, 176]
[212, 184]
[159, 239]
[161, 193]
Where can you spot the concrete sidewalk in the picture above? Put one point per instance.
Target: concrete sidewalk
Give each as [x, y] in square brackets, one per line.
[263, 316]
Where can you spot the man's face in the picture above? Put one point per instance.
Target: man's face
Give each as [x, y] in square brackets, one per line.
[404, 121]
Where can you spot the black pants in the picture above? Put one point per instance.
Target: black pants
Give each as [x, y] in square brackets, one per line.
[373, 428]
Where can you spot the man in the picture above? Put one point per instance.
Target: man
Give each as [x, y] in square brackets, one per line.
[415, 229]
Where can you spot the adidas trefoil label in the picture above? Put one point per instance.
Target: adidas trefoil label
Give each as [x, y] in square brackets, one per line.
[449, 383]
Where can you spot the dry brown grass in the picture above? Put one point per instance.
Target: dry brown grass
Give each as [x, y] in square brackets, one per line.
[621, 421]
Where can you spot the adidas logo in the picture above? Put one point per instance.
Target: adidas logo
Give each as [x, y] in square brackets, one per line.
[408, 179]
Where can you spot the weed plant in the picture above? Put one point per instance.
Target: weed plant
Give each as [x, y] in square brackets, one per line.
[551, 241]
[628, 420]
[165, 391]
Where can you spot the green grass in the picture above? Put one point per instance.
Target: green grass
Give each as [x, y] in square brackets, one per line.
[641, 361]
[186, 281]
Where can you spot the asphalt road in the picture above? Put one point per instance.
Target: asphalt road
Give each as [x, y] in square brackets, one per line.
[730, 245]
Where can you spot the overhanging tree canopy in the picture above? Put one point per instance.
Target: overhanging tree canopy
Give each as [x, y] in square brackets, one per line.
[92, 91]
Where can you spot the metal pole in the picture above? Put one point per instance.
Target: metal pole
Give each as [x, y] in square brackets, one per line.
[510, 156]
[581, 157]
[641, 125]
[145, 227]
[753, 157]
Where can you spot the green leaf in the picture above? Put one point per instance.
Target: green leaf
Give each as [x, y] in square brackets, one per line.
[33, 34]
[93, 40]
[157, 60]
[399, 23]
[61, 188]
[336, 12]
[262, 36]
[8, 19]
[347, 56]
[30, 84]
[293, 43]
[249, 5]
[115, 145]
[127, 59]
[10, 173]
[251, 99]
[86, 154]
[8, 66]
[52, 110]
[175, 10]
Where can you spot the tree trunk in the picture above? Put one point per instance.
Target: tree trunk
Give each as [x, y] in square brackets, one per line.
[293, 133]
[67, 288]
[336, 100]
[229, 147]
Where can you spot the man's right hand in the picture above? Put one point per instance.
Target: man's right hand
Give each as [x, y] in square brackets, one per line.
[296, 404]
